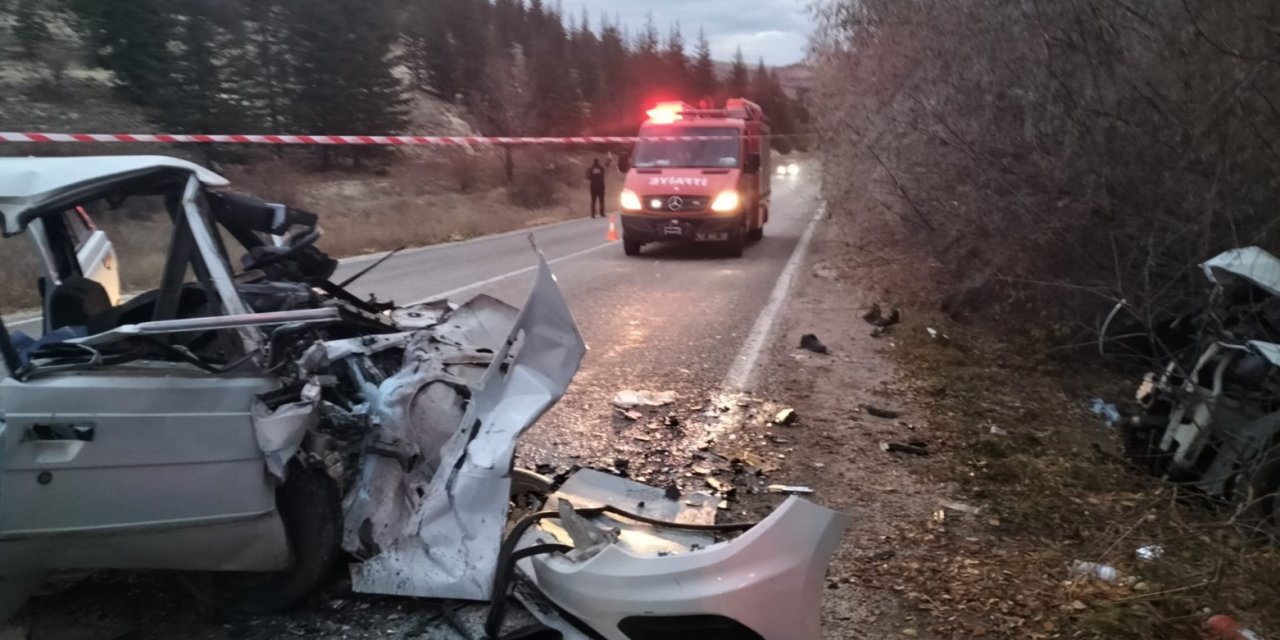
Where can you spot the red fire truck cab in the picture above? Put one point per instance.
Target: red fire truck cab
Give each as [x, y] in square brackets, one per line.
[697, 175]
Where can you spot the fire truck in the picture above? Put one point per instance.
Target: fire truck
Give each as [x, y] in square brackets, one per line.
[697, 175]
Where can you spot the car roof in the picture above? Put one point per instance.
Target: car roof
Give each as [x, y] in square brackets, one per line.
[30, 187]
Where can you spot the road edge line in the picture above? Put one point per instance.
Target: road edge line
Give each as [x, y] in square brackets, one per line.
[744, 363]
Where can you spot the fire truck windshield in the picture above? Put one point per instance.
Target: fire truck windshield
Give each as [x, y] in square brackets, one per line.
[721, 153]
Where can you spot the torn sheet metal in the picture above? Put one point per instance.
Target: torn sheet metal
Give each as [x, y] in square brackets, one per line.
[777, 566]
[1248, 263]
[414, 413]
[1268, 350]
[280, 432]
[588, 488]
[448, 548]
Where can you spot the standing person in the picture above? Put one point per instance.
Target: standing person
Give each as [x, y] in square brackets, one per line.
[595, 175]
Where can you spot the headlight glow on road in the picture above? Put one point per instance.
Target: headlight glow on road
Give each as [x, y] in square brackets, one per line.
[630, 201]
[725, 202]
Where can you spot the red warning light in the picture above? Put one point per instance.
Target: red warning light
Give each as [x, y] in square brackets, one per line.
[666, 112]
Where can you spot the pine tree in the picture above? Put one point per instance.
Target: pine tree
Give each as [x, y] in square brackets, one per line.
[504, 99]
[344, 61]
[676, 65]
[131, 39]
[194, 99]
[703, 81]
[469, 37]
[264, 64]
[430, 53]
[739, 77]
[615, 106]
[30, 28]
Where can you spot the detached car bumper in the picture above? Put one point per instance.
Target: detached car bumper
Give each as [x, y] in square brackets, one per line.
[688, 228]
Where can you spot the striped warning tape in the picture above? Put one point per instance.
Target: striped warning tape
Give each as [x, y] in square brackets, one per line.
[6, 136]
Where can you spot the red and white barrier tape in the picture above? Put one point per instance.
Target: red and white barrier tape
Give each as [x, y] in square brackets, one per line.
[6, 136]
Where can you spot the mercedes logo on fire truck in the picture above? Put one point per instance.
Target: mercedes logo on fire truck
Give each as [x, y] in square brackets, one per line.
[675, 203]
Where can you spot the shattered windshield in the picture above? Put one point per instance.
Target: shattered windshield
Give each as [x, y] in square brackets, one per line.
[722, 153]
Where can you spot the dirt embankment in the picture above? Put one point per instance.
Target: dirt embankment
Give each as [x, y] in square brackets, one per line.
[1018, 482]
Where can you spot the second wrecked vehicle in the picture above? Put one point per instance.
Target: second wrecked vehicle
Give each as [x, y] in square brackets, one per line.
[1211, 416]
[258, 425]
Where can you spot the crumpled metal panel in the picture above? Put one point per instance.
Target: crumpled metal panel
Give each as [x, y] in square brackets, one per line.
[415, 412]
[1252, 264]
[771, 578]
[448, 547]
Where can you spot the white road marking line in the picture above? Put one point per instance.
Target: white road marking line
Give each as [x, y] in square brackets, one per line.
[475, 285]
[745, 363]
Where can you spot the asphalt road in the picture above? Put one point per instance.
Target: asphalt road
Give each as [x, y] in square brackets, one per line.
[677, 318]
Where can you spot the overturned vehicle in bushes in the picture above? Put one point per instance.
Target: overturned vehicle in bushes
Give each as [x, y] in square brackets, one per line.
[257, 425]
[1210, 418]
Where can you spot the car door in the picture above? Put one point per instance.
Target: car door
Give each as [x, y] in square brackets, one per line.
[127, 452]
[94, 251]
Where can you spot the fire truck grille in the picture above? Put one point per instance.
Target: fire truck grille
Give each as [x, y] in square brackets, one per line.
[675, 203]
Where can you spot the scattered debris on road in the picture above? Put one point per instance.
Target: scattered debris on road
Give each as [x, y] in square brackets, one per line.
[913, 448]
[997, 431]
[1103, 572]
[631, 415]
[875, 315]
[786, 417]
[960, 507]
[1110, 414]
[810, 342]
[633, 399]
[878, 412]
[789, 489]
[938, 336]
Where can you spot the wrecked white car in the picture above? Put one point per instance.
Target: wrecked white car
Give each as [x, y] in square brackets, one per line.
[257, 425]
[1211, 417]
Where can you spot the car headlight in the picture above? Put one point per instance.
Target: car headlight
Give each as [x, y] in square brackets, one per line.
[725, 202]
[782, 170]
[630, 201]
[793, 169]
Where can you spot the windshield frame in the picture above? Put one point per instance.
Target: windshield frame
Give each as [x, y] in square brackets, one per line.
[662, 154]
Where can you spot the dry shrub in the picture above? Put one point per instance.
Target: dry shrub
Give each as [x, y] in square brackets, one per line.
[536, 182]
[1052, 494]
[1051, 158]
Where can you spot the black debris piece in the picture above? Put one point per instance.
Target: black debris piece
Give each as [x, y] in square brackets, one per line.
[811, 342]
[913, 448]
[880, 413]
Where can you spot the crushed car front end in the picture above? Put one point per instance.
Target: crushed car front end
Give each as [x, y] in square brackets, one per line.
[261, 424]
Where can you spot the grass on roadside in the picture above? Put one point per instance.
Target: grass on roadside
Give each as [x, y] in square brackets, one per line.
[1056, 491]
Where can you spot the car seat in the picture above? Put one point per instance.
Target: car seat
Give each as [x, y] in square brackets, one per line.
[77, 302]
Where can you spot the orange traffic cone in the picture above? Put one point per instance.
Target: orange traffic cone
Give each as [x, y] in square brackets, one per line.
[612, 236]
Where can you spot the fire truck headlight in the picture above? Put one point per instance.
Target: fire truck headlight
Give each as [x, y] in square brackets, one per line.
[630, 201]
[726, 202]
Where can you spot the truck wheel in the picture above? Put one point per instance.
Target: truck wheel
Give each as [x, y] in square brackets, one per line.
[311, 508]
[737, 240]
[631, 247]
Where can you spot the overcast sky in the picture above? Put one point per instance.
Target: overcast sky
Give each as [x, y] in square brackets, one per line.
[776, 30]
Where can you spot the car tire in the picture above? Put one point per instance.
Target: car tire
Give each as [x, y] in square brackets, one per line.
[737, 241]
[631, 247]
[311, 508]
[756, 234]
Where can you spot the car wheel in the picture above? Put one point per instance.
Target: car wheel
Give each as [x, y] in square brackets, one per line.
[756, 234]
[631, 247]
[737, 240]
[311, 508]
